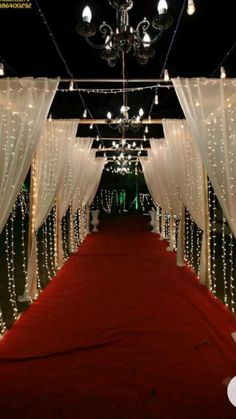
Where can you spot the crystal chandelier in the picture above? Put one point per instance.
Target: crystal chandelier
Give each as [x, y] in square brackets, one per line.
[124, 38]
[123, 123]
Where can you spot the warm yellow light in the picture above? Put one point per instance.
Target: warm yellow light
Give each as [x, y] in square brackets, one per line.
[87, 14]
[162, 7]
[191, 7]
[146, 41]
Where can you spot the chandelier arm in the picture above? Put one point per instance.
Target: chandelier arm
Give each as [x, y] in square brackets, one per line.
[105, 30]
[142, 27]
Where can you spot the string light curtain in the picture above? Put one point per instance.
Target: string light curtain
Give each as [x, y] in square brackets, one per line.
[154, 180]
[83, 179]
[49, 166]
[24, 105]
[164, 165]
[188, 171]
[78, 152]
[94, 180]
[209, 106]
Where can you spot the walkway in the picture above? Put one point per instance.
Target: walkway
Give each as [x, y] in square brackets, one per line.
[120, 333]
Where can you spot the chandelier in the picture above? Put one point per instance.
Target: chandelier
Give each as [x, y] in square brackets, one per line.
[125, 38]
[123, 123]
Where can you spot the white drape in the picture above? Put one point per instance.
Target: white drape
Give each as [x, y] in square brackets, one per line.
[165, 166]
[188, 169]
[79, 149]
[24, 105]
[83, 180]
[188, 172]
[209, 106]
[95, 178]
[154, 180]
[51, 161]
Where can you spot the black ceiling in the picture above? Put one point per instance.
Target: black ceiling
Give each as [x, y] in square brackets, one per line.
[200, 44]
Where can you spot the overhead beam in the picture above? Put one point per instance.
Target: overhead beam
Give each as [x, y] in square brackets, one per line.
[86, 121]
[116, 81]
[100, 150]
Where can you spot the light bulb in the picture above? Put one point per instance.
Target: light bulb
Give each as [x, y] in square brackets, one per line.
[146, 41]
[144, 137]
[91, 126]
[109, 45]
[97, 138]
[146, 129]
[85, 113]
[156, 100]
[87, 14]
[222, 72]
[141, 112]
[191, 7]
[162, 7]
[122, 109]
[166, 75]
[1, 69]
[149, 118]
[71, 88]
[108, 115]
[50, 117]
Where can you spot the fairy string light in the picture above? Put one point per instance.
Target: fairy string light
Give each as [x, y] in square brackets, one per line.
[2, 324]
[231, 262]
[213, 238]
[224, 262]
[10, 253]
[45, 243]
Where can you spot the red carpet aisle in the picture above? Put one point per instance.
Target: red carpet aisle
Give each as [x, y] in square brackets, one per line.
[121, 333]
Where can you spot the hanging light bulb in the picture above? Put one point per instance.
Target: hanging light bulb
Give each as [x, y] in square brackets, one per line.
[91, 126]
[109, 45]
[156, 100]
[144, 137]
[146, 129]
[166, 75]
[141, 112]
[122, 109]
[50, 117]
[222, 72]
[149, 118]
[162, 7]
[191, 7]
[71, 87]
[109, 115]
[146, 41]
[87, 14]
[85, 113]
[97, 138]
[1, 69]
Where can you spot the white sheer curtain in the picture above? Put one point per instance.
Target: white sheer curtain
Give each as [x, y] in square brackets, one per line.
[24, 105]
[79, 149]
[154, 180]
[188, 171]
[50, 164]
[83, 180]
[94, 180]
[165, 166]
[209, 106]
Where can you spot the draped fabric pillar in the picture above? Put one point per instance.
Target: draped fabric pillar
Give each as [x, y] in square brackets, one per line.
[209, 106]
[50, 164]
[186, 161]
[24, 105]
[82, 164]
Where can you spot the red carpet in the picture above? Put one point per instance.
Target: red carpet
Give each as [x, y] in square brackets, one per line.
[120, 333]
